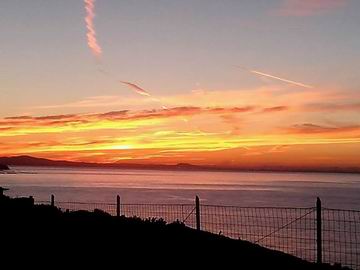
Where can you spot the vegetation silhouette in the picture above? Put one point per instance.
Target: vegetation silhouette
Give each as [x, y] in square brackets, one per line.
[43, 232]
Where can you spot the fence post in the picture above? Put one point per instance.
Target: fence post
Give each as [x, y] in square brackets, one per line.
[197, 209]
[52, 200]
[118, 206]
[31, 199]
[318, 231]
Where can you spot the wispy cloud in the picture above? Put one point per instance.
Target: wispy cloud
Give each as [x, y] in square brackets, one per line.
[309, 128]
[275, 94]
[332, 107]
[275, 109]
[20, 125]
[89, 102]
[304, 8]
[253, 121]
[238, 135]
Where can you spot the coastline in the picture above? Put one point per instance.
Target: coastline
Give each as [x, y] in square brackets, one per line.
[187, 169]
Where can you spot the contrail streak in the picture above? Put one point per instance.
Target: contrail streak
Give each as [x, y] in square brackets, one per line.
[276, 78]
[137, 89]
[143, 92]
[281, 79]
[97, 51]
[91, 34]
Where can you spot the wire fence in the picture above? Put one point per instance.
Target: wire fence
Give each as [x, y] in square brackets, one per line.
[341, 236]
[292, 230]
[315, 234]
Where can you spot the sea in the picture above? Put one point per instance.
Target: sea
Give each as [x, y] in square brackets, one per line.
[253, 189]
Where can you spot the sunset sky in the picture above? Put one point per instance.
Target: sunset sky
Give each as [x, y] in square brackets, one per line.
[227, 83]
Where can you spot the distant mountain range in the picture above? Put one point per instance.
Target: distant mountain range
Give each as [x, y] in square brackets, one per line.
[42, 162]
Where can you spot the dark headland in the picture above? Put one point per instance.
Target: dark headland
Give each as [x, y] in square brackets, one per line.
[43, 232]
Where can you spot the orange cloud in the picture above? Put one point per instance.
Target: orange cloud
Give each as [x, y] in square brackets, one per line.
[308, 128]
[275, 109]
[212, 134]
[20, 125]
[332, 107]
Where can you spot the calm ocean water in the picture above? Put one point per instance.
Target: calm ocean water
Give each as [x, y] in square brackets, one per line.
[151, 186]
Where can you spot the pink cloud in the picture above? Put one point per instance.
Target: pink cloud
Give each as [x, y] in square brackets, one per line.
[304, 8]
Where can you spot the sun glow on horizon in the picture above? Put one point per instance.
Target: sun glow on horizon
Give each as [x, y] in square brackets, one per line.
[157, 91]
[254, 134]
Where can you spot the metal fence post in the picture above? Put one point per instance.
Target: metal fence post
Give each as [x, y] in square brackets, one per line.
[197, 209]
[52, 200]
[118, 206]
[318, 231]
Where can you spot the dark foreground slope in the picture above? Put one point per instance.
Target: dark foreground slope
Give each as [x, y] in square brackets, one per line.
[42, 233]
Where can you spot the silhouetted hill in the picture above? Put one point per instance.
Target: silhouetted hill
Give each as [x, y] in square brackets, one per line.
[46, 234]
[4, 167]
[34, 161]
